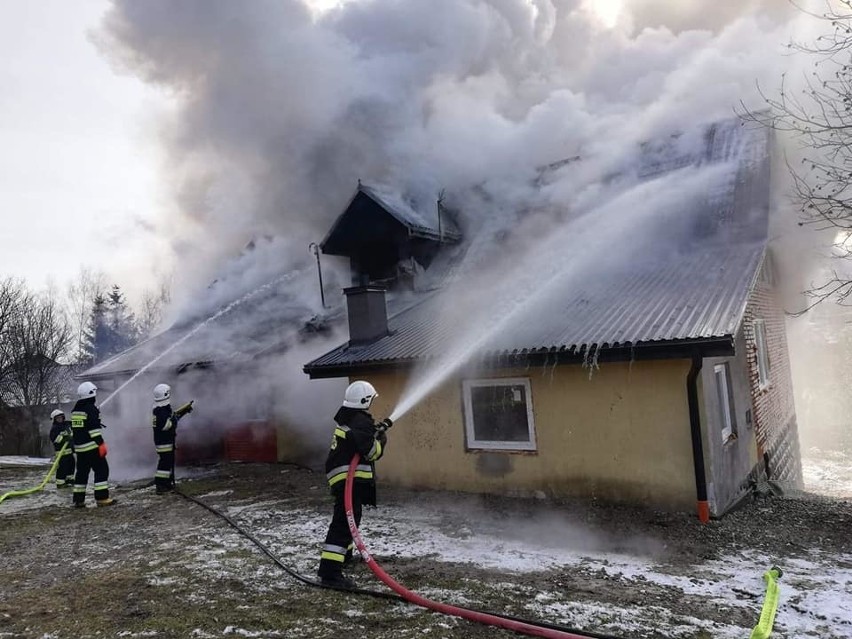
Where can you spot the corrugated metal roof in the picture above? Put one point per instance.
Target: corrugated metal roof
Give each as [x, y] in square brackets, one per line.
[259, 324]
[691, 296]
[698, 291]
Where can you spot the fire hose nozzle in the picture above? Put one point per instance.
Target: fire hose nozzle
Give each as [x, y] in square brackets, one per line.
[186, 408]
[384, 425]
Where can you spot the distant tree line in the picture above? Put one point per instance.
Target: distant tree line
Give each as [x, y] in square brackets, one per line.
[46, 337]
[103, 324]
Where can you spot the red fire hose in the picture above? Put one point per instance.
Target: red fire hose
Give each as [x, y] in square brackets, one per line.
[464, 613]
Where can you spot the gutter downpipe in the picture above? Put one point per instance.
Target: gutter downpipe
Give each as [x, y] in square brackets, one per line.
[697, 445]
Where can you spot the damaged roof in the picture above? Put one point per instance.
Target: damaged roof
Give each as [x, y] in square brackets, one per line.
[359, 218]
[694, 297]
[689, 294]
[265, 322]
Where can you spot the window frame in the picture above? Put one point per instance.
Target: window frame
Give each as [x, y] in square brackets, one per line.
[762, 354]
[472, 443]
[724, 400]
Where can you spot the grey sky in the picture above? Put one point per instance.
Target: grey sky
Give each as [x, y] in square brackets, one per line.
[78, 152]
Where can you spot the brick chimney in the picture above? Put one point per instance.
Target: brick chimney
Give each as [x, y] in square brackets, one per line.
[368, 313]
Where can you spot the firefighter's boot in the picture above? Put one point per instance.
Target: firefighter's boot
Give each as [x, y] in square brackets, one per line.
[339, 582]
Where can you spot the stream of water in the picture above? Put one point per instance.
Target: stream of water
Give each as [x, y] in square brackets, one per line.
[197, 328]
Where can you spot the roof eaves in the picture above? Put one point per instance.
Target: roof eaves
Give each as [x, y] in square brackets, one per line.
[719, 346]
[418, 230]
[755, 278]
[428, 234]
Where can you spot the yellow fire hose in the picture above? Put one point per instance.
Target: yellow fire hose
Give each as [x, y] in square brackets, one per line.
[28, 491]
[770, 605]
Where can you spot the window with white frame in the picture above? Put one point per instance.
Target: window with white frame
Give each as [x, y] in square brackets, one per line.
[762, 353]
[498, 414]
[725, 400]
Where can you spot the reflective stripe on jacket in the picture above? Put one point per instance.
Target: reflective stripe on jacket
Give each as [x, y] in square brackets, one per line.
[355, 433]
[86, 425]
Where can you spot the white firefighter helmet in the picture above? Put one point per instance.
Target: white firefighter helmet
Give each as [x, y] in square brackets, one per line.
[56, 413]
[359, 394]
[162, 394]
[86, 389]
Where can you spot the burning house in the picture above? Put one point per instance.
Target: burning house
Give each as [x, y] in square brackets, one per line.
[233, 356]
[657, 373]
[388, 241]
[230, 363]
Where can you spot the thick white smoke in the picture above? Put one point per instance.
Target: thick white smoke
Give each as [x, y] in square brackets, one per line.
[282, 105]
[281, 109]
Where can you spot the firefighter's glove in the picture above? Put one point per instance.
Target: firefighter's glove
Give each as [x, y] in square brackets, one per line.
[185, 409]
[170, 422]
[382, 437]
[103, 450]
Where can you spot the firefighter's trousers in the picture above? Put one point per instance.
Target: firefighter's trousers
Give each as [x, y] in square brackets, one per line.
[338, 542]
[91, 461]
[65, 469]
[164, 478]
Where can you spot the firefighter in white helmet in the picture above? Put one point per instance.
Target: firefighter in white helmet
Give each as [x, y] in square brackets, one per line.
[355, 432]
[90, 447]
[164, 422]
[60, 435]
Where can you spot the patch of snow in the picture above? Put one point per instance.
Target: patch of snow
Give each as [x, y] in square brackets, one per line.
[828, 472]
[28, 478]
[20, 460]
[815, 593]
[163, 581]
[216, 493]
[231, 630]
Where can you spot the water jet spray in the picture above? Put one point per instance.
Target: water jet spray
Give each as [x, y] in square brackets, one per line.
[199, 327]
[568, 255]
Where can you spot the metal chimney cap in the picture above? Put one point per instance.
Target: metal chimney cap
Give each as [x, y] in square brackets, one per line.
[369, 288]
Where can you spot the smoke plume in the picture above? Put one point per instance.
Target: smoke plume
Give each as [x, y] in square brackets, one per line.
[281, 107]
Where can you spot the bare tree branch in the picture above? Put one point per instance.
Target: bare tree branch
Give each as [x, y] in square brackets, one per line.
[818, 116]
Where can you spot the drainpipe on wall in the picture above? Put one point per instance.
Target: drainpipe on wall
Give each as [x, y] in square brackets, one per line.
[697, 445]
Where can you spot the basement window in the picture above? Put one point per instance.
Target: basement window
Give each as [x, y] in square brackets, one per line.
[498, 414]
[725, 399]
[762, 354]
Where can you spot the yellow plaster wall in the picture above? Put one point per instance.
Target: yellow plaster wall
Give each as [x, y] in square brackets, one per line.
[623, 434]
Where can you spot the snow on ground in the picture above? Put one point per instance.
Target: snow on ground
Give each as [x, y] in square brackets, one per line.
[32, 476]
[816, 594]
[828, 472]
[554, 563]
[20, 460]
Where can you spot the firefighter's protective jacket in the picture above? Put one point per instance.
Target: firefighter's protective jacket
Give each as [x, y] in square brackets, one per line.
[59, 434]
[86, 425]
[355, 432]
[165, 427]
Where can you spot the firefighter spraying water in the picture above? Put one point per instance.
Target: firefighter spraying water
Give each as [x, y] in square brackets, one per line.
[165, 424]
[85, 424]
[356, 433]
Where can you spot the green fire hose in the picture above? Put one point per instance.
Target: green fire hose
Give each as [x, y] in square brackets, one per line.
[770, 605]
[28, 491]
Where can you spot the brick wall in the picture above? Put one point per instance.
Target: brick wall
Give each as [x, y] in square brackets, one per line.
[774, 413]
